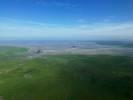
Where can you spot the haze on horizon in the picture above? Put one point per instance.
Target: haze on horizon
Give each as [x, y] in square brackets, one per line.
[66, 19]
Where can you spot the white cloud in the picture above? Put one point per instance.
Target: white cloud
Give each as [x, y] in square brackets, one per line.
[29, 29]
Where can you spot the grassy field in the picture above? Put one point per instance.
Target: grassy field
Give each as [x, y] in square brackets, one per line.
[9, 51]
[65, 77]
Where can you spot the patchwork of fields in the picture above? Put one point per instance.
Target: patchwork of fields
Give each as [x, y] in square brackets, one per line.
[64, 77]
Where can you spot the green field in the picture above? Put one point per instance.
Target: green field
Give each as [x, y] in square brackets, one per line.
[7, 52]
[65, 77]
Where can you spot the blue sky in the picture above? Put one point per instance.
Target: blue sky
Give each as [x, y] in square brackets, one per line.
[66, 19]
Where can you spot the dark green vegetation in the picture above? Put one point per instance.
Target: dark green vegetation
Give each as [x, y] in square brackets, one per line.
[8, 51]
[67, 77]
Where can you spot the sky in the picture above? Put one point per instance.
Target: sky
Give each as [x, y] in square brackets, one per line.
[66, 19]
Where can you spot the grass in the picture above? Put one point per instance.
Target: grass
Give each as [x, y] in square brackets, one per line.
[9, 52]
[67, 77]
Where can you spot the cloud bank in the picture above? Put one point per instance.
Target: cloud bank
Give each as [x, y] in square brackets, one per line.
[96, 31]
